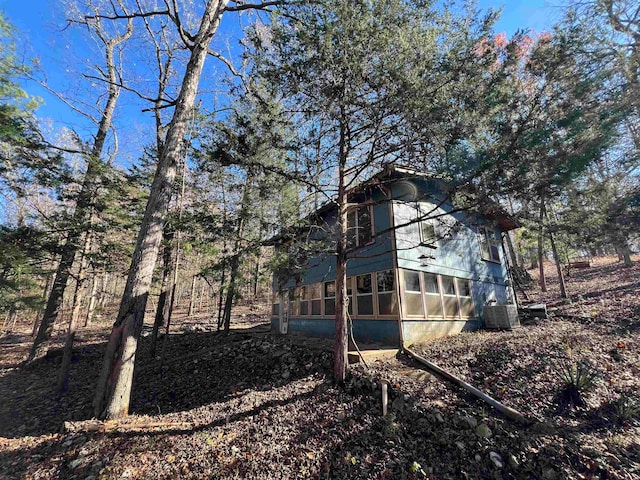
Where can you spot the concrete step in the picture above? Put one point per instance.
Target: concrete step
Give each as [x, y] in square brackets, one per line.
[372, 355]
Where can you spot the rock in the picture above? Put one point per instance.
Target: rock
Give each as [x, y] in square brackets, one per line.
[286, 374]
[512, 460]
[478, 457]
[470, 421]
[483, 430]
[80, 440]
[549, 474]
[73, 464]
[496, 459]
[67, 443]
[398, 404]
[460, 445]
[439, 417]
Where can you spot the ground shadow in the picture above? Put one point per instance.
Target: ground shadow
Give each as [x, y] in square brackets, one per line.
[198, 369]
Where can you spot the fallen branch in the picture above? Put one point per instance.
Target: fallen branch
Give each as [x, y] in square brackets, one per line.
[507, 411]
[119, 426]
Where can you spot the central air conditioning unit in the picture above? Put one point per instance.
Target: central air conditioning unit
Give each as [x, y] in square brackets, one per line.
[501, 316]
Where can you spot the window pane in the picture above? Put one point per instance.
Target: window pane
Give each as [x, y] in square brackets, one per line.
[428, 232]
[315, 307]
[434, 307]
[451, 306]
[411, 281]
[304, 307]
[464, 287]
[349, 285]
[431, 283]
[350, 307]
[303, 292]
[387, 304]
[316, 291]
[295, 308]
[447, 286]
[329, 289]
[363, 284]
[495, 255]
[364, 225]
[484, 245]
[275, 309]
[329, 306]
[385, 281]
[466, 307]
[365, 305]
[414, 304]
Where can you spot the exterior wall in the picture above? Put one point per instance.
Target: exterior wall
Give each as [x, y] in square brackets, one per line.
[458, 255]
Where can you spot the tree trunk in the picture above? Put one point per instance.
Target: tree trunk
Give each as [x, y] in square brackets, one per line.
[623, 250]
[556, 258]
[512, 252]
[114, 385]
[165, 290]
[340, 358]
[192, 297]
[63, 374]
[84, 204]
[543, 282]
[92, 299]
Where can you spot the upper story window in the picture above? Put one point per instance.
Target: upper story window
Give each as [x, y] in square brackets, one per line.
[426, 226]
[489, 244]
[360, 228]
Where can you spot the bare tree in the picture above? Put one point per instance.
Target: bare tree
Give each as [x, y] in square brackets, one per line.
[85, 200]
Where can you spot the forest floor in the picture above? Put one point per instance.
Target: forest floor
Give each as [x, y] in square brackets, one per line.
[257, 405]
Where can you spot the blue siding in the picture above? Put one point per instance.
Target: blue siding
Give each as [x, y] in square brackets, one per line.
[366, 331]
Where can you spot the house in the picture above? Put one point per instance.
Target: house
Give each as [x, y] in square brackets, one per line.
[418, 267]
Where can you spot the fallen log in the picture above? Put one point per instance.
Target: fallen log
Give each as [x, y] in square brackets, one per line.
[506, 411]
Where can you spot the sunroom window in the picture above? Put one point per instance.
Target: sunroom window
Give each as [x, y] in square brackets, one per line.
[387, 304]
[413, 295]
[464, 292]
[432, 295]
[364, 293]
[316, 299]
[329, 298]
[449, 296]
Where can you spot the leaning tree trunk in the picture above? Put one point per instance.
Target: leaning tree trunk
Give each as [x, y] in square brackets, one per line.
[84, 204]
[114, 384]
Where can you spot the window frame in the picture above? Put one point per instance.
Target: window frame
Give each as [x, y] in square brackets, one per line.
[358, 295]
[353, 237]
[326, 297]
[393, 292]
[430, 222]
[487, 240]
[413, 292]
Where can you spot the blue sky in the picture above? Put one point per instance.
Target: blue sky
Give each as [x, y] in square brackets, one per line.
[40, 26]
